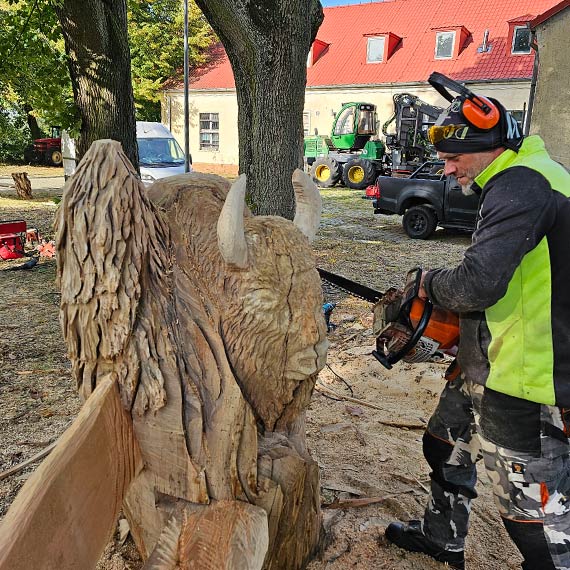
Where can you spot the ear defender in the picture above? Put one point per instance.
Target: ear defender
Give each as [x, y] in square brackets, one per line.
[480, 112]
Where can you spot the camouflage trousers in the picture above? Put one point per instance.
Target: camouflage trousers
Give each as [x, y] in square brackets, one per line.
[527, 457]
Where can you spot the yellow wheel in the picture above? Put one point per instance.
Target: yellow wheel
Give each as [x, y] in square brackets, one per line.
[322, 173]
[359, 173]
[326, 172]
[356, 174]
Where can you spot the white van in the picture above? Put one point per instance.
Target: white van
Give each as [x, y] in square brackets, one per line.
[159, 153]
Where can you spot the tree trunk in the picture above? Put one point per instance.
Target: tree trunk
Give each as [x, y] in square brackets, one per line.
[96, 42]
[32, 123]
[267, 42]
[23, 185]
[210, 320]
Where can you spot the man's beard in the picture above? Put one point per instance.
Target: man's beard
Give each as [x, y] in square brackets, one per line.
[479, 164]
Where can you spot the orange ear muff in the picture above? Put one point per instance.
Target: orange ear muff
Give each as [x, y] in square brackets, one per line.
[481, 112]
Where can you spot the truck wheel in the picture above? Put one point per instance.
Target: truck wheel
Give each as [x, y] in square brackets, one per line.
[325, 172]
[54, 157]
[358, 174]
[419, 222]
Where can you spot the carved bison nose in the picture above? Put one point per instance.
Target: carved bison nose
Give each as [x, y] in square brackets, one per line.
[307, 362]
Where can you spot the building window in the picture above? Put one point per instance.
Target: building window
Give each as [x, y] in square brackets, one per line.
[375, 50]
[444, 42]
[209, 131]
[306, 123]
[521, 40]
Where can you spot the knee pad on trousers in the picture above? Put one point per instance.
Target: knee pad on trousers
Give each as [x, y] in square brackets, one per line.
[456, 479]
[436, 451]
[530, 540]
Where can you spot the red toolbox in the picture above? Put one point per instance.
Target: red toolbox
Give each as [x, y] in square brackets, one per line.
[13, 235]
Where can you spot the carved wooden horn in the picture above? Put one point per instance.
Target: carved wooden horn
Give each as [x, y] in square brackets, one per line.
[231, 236]
[309, 204]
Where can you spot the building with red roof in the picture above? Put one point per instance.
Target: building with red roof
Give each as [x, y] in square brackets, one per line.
[369, 52]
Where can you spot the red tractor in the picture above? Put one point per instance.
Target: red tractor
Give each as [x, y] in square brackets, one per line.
[46, 151]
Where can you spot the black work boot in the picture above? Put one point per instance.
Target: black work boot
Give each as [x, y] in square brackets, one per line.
[410, 537]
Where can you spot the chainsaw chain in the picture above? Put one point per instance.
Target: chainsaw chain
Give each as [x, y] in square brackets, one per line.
[340, 288]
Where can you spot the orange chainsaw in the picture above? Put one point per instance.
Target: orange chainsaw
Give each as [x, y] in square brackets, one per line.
[406, 327]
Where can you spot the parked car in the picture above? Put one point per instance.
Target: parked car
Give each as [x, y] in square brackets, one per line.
[160, 154]
[426, 199]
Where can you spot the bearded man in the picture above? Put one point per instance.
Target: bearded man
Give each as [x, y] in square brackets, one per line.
[510, 405]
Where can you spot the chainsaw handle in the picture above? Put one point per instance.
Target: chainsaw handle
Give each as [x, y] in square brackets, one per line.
[387, 360]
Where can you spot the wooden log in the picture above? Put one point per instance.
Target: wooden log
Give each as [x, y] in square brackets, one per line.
[23, 185]
[66, 512]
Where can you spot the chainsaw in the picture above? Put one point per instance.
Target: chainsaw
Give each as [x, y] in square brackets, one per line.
[406, 327]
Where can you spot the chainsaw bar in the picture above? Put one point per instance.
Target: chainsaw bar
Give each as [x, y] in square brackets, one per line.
[350, 287]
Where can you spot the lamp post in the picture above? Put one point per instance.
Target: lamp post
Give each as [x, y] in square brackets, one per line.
[186, 109]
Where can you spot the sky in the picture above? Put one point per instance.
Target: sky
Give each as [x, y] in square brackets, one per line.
[327, 3]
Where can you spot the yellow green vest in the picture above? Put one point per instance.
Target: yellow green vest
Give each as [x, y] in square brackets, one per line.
[520, 352]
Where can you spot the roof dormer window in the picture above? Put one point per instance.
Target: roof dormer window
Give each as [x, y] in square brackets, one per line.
[519, 35]
[450, 41]
[444, 44]
[318, 49]
[521, 40]
[381, 46]
[375, 49]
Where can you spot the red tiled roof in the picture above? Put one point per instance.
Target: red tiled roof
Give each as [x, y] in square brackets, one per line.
[215, 73]
[524, 18]
[346, 30]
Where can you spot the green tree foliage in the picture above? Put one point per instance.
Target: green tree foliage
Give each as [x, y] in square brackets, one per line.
[13, 131]
[33, 67]
[156, 38]
[34, 78]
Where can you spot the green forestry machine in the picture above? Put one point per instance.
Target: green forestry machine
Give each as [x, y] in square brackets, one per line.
[353, 152]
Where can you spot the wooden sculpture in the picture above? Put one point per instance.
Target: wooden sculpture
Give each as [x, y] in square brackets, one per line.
[209, 322]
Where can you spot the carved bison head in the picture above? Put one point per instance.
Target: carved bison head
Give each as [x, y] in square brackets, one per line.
[274, 296]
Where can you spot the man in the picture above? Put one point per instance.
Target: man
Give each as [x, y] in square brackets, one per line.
[511, 404]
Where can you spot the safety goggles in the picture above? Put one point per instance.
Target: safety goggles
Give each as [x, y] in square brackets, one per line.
[438, 133]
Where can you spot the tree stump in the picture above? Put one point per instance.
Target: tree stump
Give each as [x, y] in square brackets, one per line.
[210, 320]
[23, 185]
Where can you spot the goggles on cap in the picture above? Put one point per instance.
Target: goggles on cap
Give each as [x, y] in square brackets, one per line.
[438, 133]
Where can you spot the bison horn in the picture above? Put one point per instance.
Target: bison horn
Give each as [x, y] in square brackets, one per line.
[231, 235]
[309, 205]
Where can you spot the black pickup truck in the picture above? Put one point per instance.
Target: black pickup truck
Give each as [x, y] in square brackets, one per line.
[426, 199]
